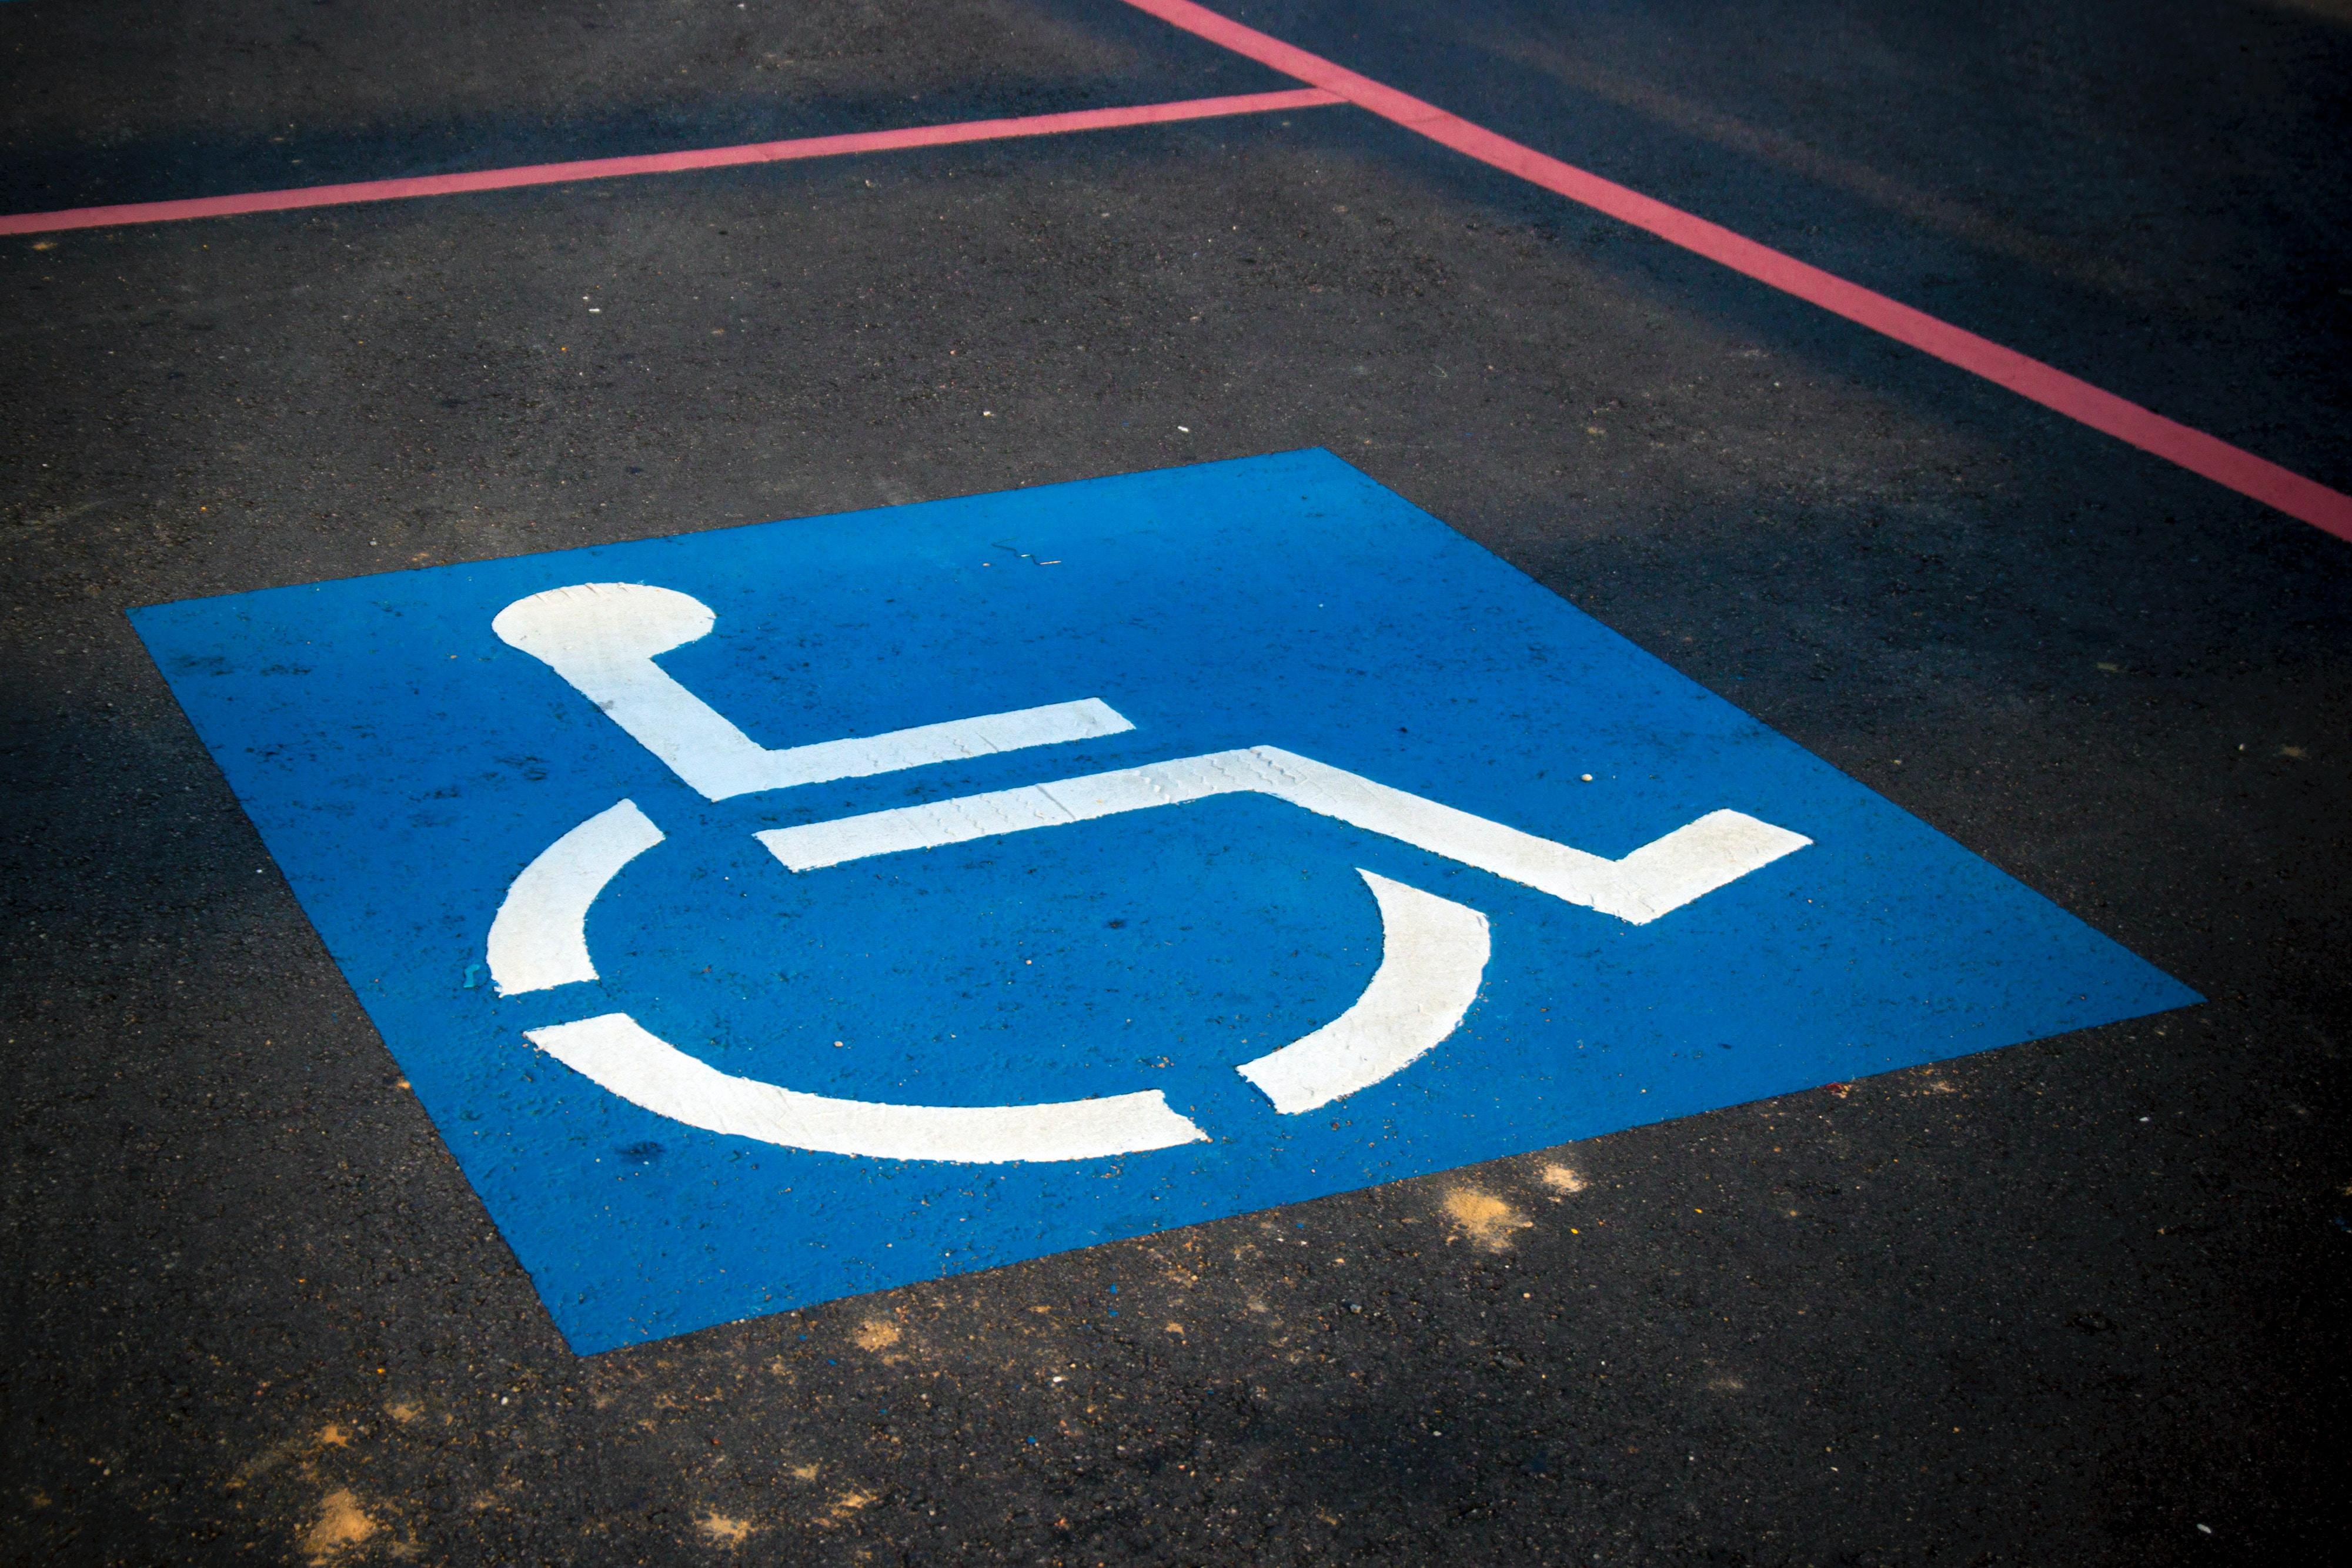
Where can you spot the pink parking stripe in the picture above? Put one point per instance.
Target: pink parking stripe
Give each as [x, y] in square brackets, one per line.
[2217, 460]
[663, 163]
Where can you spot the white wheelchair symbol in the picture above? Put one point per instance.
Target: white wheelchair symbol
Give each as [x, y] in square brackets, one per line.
[602, 637]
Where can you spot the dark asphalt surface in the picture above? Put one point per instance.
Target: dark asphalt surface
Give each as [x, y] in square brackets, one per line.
[2078, 1301]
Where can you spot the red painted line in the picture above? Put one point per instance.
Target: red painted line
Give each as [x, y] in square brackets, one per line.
[2217, 460]
[662, 163]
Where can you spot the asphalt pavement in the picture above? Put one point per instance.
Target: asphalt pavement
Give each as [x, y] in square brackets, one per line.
[2078, 1301]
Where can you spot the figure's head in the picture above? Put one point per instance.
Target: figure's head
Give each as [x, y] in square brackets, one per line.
[603, 621]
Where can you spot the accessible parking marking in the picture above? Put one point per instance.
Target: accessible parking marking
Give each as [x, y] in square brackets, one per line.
[1368, 858]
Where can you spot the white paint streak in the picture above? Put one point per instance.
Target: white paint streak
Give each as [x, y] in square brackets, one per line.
[1434, 954]
[540, 936]
[602, 637]
[1663, 875]
[617, 1054]
[1693, 861]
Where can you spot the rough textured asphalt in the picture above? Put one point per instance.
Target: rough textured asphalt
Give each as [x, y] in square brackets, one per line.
[2077, 1301]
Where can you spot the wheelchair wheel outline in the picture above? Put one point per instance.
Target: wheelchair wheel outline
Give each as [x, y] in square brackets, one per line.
[1433, 958]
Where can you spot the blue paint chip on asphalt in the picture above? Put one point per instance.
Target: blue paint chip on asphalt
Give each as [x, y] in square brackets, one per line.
[1245, 762]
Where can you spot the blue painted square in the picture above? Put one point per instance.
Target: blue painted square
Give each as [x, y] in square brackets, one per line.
[406, 765]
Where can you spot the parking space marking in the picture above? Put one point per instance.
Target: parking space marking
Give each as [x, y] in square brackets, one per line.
[2231, 466]
[2226, 465]
[665, 162]
[707, 1084]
